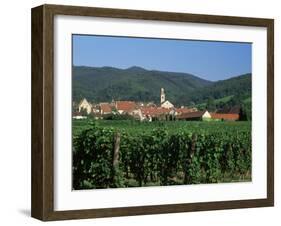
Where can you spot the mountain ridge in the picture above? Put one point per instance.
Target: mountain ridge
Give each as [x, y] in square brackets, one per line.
[102, 84]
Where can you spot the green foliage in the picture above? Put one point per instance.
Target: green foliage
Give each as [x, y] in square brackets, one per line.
[92, 159]
[137, 84]
[239, 86]
[246, 111]
[108, 83]
[211, 106]
[166, 155]
[225, 104]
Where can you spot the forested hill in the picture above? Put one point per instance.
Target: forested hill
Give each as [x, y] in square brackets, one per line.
[134, 83]
[138, 84]
[240, 87]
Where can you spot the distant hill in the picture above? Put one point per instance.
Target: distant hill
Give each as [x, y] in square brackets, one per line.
[225, 89]
[100, 84]
[134, 83]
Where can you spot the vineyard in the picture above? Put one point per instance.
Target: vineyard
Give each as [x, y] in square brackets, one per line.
[110, 154]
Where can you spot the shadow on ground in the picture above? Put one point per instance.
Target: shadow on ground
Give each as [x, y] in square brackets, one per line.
[25, 212]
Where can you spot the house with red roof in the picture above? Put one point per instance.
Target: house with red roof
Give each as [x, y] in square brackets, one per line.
[105, 108]
[225, 117]
[155, 112]
[195, 116]
[125, 107]
[184, 110]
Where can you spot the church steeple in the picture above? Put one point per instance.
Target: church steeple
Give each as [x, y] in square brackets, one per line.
[162, 96]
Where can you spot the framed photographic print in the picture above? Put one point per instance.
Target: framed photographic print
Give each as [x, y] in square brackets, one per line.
[141, 112]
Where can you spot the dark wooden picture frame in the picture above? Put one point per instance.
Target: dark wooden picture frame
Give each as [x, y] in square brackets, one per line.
[42, 203]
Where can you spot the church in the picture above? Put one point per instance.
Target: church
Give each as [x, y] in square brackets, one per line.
[163, 102]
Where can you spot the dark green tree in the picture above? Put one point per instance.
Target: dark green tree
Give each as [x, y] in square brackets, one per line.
[211, 106]
[246, 112]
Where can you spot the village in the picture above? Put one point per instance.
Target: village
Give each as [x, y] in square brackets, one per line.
[165, 111]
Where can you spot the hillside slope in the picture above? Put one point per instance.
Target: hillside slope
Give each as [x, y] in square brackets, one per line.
[135, 83]
[236, 86]
[138, 84]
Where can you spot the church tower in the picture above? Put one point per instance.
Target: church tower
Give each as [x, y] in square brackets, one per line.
[162, 96]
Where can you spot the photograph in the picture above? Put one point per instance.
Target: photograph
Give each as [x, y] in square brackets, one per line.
[160, 112]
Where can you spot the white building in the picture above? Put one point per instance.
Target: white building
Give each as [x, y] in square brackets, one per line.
[163, 102]
[167, 104]
[85, 105]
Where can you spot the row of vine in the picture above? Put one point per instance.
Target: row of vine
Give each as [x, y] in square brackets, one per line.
[159, 158]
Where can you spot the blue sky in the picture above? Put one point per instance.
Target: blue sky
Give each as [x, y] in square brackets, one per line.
[209, 60]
